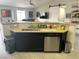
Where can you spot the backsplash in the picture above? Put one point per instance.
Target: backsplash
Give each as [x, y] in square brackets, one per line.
[58, 26]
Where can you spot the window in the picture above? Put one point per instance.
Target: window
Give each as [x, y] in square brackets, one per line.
[20, 15]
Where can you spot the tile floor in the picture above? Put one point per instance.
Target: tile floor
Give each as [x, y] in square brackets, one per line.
[37, 55]
[40, 55]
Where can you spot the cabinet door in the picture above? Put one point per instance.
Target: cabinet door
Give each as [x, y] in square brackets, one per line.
[29, 42]
[37, 43]
[23, 43]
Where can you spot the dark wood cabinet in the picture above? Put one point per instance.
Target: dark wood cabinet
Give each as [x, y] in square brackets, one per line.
[33, 41]
[29, 41]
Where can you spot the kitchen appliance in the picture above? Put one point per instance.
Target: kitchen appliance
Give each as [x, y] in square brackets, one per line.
[51, 44]
[45, 15]
[57, 13]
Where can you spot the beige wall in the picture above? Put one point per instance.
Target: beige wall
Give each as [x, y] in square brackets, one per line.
[45, 7]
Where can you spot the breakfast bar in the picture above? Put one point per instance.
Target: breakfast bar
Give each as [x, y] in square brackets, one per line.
[33, 39]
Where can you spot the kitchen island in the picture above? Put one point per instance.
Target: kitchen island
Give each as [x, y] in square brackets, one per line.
[35, 40]
[45, 39]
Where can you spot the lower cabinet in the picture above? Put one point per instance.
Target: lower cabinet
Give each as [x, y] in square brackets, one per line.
[39, 41]
[29, 42]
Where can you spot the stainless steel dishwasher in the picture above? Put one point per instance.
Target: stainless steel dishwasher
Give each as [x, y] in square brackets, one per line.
[51, 44]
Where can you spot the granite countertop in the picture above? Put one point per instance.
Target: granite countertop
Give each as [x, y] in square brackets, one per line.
[41, 30]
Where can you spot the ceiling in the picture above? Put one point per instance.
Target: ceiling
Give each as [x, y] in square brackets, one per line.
[22, 3]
